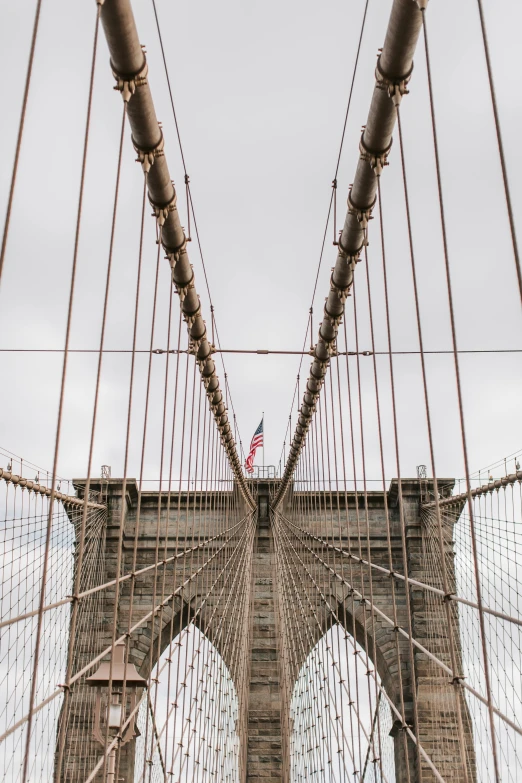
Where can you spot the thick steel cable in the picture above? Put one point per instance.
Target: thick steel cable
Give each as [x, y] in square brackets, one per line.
[130, 68]
[190, 208]
[40, 489]
[392, 76]
[20, 135]
[332, 203]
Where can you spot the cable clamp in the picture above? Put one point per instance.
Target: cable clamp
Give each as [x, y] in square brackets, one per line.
[332, 348]
[184, 289]
[342, 293]
[193, 344]
[363, 215]
[173, 255]
[127, 83]
[377, 160]
[324, 367]
[351, 258]
[161, 213]
[395, 88]
[147, 155]
[335, 320]
[190, 319]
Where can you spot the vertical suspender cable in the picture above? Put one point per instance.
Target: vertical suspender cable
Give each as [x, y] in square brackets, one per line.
[130, 70]
[393, 72]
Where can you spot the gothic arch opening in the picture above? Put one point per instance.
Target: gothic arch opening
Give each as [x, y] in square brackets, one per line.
[193, 736]
[340, 717]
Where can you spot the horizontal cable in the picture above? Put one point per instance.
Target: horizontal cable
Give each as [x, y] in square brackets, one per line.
[264, 351]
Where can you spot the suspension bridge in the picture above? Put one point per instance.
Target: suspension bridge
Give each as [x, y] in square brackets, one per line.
[336, 616]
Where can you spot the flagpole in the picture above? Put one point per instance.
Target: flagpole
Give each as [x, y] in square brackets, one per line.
[263, 420]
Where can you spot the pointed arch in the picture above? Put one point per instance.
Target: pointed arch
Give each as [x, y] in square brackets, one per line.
[188, 721]
[340, 718]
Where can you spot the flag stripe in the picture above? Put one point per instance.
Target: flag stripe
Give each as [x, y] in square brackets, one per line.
[255, 443]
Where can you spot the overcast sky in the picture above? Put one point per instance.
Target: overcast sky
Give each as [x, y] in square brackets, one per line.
[260, 92]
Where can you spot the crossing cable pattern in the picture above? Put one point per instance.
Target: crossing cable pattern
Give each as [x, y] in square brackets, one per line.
[129, 65]
[393, 72]
[396, 630]
[340, 558]
[25, 508]
[203, 543]
[405, 25]
[186, 555]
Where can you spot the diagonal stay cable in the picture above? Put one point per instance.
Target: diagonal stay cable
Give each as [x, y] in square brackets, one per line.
[500, 143]
[20, 135]
[190, 201]
[392, 75]
[130, 68]
[331, 204]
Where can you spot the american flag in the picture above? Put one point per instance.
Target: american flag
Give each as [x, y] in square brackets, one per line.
[257, 441]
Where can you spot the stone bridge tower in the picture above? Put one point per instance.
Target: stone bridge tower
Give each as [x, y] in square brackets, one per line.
[264, 748]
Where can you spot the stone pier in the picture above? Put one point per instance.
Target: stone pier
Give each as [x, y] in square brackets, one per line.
[264, 746]
[264, 707]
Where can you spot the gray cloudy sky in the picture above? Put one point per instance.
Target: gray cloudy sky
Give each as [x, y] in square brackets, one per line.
[260, 92]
